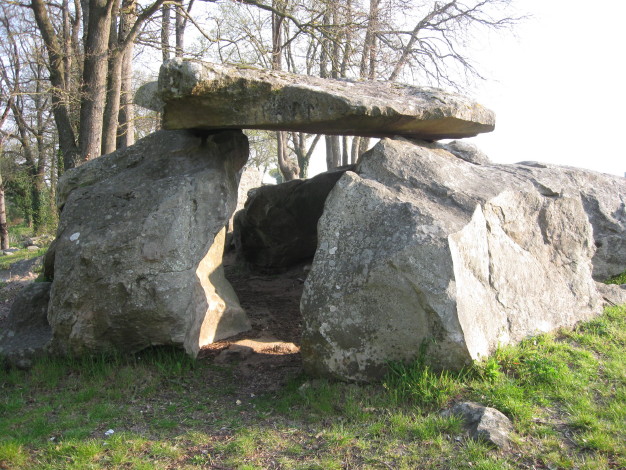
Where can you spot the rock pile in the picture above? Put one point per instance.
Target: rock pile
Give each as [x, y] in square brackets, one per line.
[420, 243]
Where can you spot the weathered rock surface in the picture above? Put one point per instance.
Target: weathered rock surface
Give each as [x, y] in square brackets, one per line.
[209, 96]
[420, 245]
[139, 246]
[612, 294]
[484, 423]
[27, 333]
[604, 200]
[278, 226]
[468, 152]
[249, 179]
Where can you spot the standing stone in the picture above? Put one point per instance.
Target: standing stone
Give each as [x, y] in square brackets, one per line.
[249, 179]
[604, 200]
[140, 242]
[422, 246]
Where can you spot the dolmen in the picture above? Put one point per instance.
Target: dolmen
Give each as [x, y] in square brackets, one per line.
[421, 245]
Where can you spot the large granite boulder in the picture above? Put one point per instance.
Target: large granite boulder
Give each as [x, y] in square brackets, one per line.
[604, 199]
[420, 246]
[278, 226]
[140, 242]
[27, 333]
[195, 94]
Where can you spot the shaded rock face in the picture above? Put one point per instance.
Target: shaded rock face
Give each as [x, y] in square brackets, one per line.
[278, 226]
[468, 152]
[421, 246]
[140, 242]
[27, 333]
[202, 95]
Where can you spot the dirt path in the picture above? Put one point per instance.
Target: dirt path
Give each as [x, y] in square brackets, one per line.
[272, 302]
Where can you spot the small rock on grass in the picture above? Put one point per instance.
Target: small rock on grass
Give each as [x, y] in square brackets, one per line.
[483, 423]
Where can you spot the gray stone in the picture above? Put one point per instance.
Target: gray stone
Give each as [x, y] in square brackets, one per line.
[468, 152]
[421, 246]
[484, 423]
[209, 96]
[612, 294]
[147, 96]
[137, 259]
[278, 226]
[250, 179]
[27, 332]
[604, 199]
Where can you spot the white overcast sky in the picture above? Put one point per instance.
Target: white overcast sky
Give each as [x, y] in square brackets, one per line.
[559, 87]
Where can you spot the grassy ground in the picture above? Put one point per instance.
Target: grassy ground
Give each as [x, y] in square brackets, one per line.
[566, 395]
[16, 234]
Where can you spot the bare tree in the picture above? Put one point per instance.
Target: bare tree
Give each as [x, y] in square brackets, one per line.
[60, 78]
[120, 45]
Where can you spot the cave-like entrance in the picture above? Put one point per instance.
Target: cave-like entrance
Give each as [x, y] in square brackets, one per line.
[267, 259]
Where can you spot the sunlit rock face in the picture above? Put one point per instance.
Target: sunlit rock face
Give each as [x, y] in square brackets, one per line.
[139, 248]
[194, 94]
[421, 248]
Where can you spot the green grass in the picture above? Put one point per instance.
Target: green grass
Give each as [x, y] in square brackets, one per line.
[16, 234]
[7, 261]
[619, 279]
[565, 393]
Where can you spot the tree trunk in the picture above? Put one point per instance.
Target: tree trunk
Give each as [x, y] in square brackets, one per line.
[126, 124]
[95, 78]
[180, 29]
[112, 107]
[4, 231]
[345, 156]
[286, 166]
[165, 31]
[289, 169]
[59, 79]
[126, 117]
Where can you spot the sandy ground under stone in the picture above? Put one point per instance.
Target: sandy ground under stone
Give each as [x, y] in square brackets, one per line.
[269, 354]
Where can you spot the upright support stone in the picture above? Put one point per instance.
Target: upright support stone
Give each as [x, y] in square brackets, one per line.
[420, 247]
[139, 246]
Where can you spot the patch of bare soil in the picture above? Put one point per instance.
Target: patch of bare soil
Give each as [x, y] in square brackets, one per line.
[269, 354]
